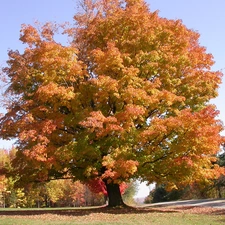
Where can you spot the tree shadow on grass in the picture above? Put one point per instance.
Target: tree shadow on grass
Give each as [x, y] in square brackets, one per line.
[83, 212]
[198, 210]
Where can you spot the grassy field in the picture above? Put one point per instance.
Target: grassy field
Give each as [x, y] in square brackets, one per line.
[102, 216]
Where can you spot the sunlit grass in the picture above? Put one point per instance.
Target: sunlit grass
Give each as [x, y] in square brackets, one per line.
[101, 217]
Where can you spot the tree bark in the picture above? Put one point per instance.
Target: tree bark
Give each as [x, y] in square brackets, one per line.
[114, 195]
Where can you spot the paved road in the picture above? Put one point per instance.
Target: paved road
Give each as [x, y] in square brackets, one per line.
[216, 203]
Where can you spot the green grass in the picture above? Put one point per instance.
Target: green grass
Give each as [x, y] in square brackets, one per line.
[103, 217]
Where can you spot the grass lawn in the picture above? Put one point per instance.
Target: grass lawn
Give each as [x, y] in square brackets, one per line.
[100, 216]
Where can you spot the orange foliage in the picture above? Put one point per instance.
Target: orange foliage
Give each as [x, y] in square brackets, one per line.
[127, 98]
[98, 186]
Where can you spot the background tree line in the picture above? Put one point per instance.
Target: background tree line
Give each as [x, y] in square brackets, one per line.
[196, 190]
[55, 193]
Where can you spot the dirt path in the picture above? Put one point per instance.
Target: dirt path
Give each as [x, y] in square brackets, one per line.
[215, 203]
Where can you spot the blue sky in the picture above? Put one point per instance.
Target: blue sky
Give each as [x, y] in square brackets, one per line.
[206, 17]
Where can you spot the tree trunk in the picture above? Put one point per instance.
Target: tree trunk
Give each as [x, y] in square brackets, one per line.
[219, 191]
[114, 195]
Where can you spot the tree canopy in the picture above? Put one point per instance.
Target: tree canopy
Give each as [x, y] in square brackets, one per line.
[127, 97]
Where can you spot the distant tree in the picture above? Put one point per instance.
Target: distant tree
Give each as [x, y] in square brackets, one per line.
[160, 194]
[219, 183]
[129, 193]
[8, 195]
[127, 98]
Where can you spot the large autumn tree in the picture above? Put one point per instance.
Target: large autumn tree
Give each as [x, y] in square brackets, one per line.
[128, 97]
